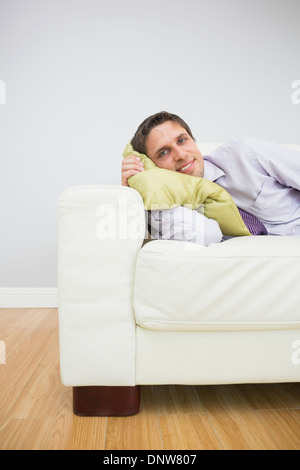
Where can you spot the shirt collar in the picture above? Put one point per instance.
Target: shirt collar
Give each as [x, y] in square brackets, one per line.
[211, 171]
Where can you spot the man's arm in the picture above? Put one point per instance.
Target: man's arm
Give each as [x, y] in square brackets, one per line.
[281, 163]
[184, 224]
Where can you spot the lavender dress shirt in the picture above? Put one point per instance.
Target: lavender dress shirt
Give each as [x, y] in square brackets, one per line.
[263, 179]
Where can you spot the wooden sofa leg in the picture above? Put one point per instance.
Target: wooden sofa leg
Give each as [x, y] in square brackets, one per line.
[106, 401]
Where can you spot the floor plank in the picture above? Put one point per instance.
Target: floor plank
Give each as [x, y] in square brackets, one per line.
[137, 432]
[21, 365]
[177, 399]
[271, 396]
[35, 401]
[284, 425]
[87, 433]
[233, 419]
[24, 434]
[188, 432]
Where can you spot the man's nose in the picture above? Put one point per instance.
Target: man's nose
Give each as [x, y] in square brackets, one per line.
[179, 153]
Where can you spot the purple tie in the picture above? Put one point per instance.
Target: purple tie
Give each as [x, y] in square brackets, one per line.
[253, 224]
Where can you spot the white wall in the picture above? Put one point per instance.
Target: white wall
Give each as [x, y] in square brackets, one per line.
[80, 75]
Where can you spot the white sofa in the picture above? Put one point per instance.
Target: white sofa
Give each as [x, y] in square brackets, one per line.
[167, 312]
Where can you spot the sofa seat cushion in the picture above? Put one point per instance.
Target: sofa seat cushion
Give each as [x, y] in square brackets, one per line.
[245, 283]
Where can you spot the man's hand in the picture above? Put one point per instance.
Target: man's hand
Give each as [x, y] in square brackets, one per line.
[131, 165]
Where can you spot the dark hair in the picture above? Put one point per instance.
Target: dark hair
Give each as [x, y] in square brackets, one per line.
[138, 141]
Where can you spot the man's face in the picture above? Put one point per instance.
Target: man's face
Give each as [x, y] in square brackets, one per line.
[171, 147]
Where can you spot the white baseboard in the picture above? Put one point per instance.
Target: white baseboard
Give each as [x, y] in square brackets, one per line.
[28, 297]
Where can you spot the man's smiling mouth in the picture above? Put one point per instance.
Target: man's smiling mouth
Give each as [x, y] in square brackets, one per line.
[186, 167]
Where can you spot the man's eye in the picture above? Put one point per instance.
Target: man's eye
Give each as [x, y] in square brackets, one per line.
[163, 153]
[183, 139]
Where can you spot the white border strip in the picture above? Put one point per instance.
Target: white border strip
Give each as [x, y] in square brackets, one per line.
[28, 297]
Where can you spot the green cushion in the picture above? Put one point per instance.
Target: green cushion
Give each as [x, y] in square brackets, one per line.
[165, 189]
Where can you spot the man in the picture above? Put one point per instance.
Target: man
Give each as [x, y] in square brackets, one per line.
[263, 178]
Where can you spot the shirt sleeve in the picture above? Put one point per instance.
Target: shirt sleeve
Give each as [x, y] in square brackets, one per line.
[280, 162]
[181, 223]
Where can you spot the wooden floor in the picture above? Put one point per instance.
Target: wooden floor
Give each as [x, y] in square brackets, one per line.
[36, 409]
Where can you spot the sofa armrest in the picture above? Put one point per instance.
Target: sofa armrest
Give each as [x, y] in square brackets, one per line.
[100, 232]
